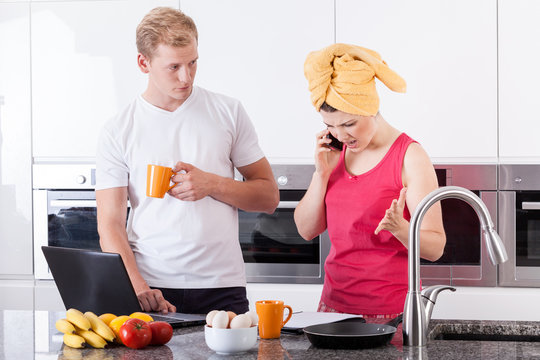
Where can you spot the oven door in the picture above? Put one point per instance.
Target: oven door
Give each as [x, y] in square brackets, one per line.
[65, 218]
[520, 231]
[273, 250]
[465, 259]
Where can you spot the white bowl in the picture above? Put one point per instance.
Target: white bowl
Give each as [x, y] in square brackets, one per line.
[230, 341]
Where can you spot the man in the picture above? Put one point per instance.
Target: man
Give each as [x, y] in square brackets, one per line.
[182, 252]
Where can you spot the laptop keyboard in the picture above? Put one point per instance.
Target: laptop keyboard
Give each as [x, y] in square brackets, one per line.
[158, 317]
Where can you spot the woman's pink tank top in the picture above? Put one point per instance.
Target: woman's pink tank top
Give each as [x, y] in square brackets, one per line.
[365, 273]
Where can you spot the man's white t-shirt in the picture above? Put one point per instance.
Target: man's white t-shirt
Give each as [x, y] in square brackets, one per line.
[180, 244]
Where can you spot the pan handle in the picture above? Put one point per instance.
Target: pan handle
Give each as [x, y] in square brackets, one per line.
[395, 321]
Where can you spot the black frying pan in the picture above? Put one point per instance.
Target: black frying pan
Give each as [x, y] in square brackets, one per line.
[352, 334]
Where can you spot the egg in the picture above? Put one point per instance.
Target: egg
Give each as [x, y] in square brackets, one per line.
[231, 316]
[210, 316]
[240, 321]
[220, 320]
[254, 317]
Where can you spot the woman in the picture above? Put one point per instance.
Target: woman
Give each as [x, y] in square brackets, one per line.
[364, 194]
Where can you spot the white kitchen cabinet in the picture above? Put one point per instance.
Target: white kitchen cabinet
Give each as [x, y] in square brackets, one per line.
[466, 303]
[47, 297]
[255, 51]
[15, 143]
[447, 53]
[16, 294]
[84, 70]
[300, 297]
[519, 76]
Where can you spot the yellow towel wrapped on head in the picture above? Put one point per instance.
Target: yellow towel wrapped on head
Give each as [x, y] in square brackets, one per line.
[343, 76]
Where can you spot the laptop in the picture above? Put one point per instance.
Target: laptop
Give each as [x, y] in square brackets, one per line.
[98, 282]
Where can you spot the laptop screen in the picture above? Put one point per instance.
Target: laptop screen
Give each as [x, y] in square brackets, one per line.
[92, 280]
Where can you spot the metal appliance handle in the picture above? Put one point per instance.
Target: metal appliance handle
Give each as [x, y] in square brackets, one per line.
[530, 205]
[287, 204]
[76, 203]
[73, 203]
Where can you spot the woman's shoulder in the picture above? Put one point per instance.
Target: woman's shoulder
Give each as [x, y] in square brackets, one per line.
[417, 163]
[416, 155]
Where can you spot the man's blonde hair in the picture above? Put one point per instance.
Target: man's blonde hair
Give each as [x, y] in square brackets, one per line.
[167, 26]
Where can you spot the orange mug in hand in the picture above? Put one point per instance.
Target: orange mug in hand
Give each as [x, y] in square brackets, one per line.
[158, 180]
[271, 321]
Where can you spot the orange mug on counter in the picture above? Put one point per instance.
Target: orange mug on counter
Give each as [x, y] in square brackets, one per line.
[271, 321]
[158, 180]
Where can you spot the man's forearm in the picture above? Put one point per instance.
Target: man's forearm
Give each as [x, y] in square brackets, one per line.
[115, 241]
[250, 195]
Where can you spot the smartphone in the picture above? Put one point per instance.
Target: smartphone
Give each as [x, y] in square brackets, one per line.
[335, 144]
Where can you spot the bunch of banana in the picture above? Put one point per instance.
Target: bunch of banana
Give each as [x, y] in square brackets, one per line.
[80, 329]
[99, 326]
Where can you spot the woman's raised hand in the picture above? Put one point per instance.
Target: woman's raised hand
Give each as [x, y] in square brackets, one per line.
[393, 219]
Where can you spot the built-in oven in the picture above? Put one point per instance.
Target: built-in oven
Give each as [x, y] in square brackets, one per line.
[64, 210]
[465, 261]
[65, 215]
[273, 250]
[519, 220]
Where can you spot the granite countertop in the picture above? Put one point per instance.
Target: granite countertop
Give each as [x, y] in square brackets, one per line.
[32, 335]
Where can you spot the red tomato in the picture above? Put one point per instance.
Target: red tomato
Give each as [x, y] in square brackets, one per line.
[161, 332]
[135, 333]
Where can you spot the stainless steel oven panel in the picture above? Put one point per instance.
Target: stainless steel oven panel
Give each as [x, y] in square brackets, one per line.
[530, 276]
[293, 177]
[290, 177]
[435, 275]
[507, 232]
[473, 177]
[509, 273]
[519, 177]
[291, 273]
[462, 275]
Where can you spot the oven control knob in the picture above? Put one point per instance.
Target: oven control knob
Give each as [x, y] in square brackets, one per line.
[282, 180]
[81, 179]
[517, 180]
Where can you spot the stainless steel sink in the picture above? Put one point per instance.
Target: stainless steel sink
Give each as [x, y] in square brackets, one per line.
[485, 330]
[487, 337]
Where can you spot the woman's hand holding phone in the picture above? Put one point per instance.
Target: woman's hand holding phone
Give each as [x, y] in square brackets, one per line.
[326, 158]
[335, 143]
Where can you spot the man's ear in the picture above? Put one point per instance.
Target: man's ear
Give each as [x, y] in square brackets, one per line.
[143, 63]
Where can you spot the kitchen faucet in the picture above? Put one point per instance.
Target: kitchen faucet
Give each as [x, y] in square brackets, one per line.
[418, 307]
